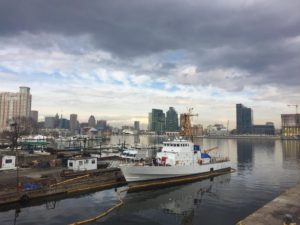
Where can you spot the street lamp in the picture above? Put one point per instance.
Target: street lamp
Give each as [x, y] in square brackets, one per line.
[14, 127]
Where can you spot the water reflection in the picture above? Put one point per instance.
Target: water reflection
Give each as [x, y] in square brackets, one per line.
[244, 154]
[136, 139]
[291, 149]
[49, 205]
[180, 201]
[17, 212]
[266, 168]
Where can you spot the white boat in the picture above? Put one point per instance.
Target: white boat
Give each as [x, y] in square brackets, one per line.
[178, 158]
[41, 152]
[129, 154]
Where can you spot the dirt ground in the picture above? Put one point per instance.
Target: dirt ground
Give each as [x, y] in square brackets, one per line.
[8, 178]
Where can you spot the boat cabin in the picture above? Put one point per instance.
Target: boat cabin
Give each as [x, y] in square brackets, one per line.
[7, 162]
[177, 145]
[82, 163]
[181, 152]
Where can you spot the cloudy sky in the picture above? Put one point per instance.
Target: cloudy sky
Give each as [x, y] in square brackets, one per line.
[119, 59]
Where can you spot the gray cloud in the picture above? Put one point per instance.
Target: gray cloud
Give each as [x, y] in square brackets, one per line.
[261, 40]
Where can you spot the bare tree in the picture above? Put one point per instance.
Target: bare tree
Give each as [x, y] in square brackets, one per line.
[20, 126]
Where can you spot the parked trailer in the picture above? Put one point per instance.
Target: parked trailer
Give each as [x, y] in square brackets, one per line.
[7, 162]
[82, 163]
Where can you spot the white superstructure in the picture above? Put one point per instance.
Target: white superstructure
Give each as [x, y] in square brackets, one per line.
[177, 158]
[82, 163]
[7, 162]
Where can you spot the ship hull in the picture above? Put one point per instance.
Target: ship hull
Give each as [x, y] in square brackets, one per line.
[135, 174]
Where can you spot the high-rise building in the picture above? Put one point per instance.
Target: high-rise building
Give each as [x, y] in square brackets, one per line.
[84, 125]
[172, 120]
[101, 124]
[150, 121]
[244, 119]
[290, 125]
[34, 115]
[63, 123]
[73, 123]
[56, 123]
[92, 121]
[14, 105]
[157, 121]
[25, 102]
[50, 122]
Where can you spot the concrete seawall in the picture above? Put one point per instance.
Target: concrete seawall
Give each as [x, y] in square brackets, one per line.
[284, 209]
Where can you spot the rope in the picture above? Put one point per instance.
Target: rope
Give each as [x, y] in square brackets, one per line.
[66, 181]
[94, 187]
[106, 212]
[120, 201]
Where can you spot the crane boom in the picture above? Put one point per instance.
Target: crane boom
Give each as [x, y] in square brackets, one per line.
[294, 105]
[210, 149]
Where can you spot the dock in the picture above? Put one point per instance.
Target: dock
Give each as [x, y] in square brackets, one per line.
[70, 185]
[283, 210]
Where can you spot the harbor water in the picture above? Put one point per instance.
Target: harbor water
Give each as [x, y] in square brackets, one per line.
[264, 169]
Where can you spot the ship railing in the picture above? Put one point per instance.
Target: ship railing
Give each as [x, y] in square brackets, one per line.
[219, 159]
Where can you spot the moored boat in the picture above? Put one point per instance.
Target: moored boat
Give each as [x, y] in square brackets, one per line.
[178, 159]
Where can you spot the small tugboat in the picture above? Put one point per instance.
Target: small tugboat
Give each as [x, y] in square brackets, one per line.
[179, 161]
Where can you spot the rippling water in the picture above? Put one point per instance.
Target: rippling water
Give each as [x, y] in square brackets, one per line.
[264, 169]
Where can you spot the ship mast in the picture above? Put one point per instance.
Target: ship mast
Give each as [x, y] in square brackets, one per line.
[186, 125]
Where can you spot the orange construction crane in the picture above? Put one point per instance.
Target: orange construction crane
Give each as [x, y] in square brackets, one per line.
[185, 124]
[210, 149]
[296, 106]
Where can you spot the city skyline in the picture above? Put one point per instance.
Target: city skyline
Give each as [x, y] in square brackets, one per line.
[144, 124]
[117, 65]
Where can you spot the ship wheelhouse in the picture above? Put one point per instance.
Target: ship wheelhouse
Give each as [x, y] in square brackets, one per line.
[177, 152]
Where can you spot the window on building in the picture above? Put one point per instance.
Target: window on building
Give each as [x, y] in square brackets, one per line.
[70, 164]
[93, 161]
[80, 163]
[7, 161]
